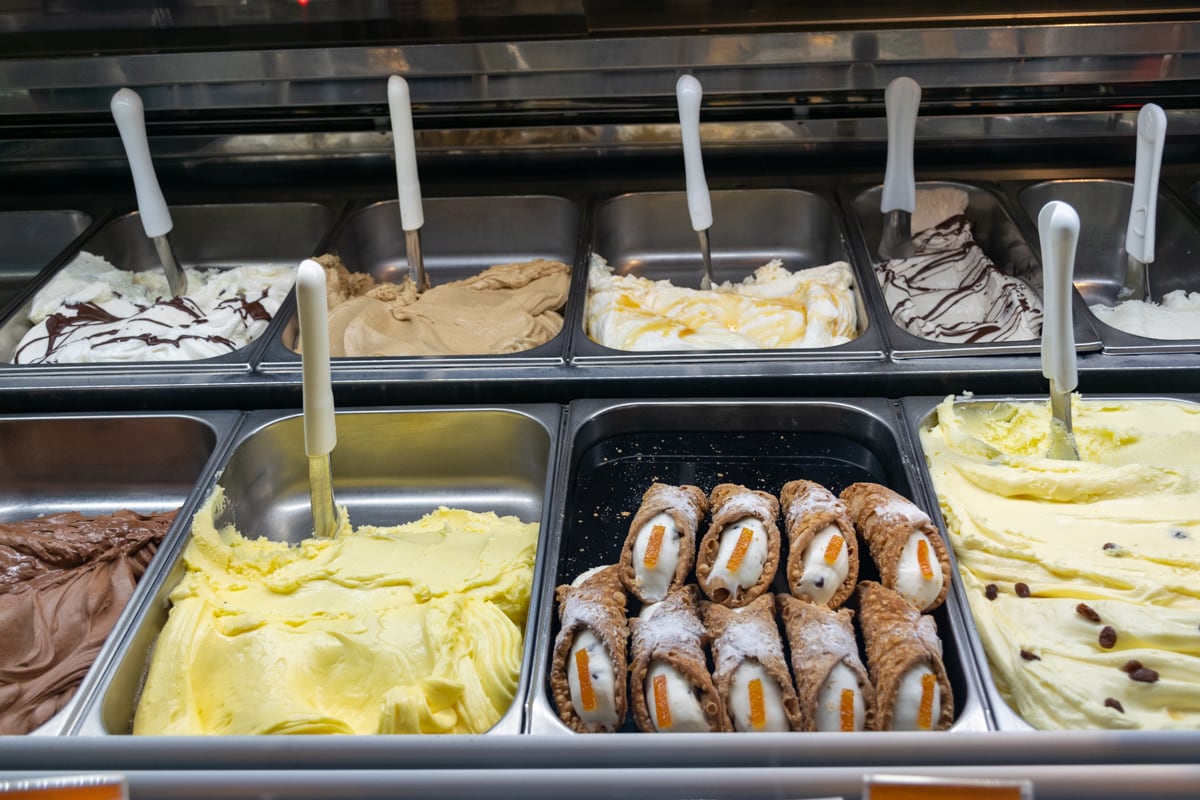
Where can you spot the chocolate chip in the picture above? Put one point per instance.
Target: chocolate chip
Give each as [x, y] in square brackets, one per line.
[1087, 612]
[1022, 590]
[820, 582]
[1111, 546]
[1108, 637]
[1179, 534]
[1112, 702]
[1131, 665]
[990, 591]
[1028, 656]
[1144, 675]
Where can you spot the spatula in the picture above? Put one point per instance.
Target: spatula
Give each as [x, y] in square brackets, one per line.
[412, 214]
[129, 114]
[320, 430]
[688, 94]
[1139, 235]
[1058, 227]
[898, 199]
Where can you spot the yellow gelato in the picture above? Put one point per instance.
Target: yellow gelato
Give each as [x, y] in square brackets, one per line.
[410, 629]
[1083, 577]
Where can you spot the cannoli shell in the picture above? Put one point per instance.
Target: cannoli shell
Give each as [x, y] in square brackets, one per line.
[898, 637]
[686, 505]
[808, 508]
[750, 634]
[598, 605]
[820, 639]
[728, 503]
[675, 635]
[886, 519]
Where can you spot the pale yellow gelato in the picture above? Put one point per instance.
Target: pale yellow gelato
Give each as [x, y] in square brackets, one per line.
[1083, 577]
[506, 308]
[410, 629]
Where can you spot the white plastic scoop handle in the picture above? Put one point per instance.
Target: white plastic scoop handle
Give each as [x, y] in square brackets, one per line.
[320, 432]
[1058, 226]
[129, 114]
[412, 214]
[688, 94]
[1151, 133]
[901, 100]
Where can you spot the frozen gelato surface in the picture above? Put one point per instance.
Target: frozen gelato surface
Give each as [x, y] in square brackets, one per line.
[92, 311]
[506, 308]
[935, 206]
[773, 308]
[64, 580]
[1178, 317]
[1081, 576]
[950, 291]
[410, 629]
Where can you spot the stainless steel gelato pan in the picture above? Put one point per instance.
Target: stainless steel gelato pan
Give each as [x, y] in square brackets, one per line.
[1100, 261]
[1002, 241]
[71, 577]
[649, 236]
[461, 237]
[205, 237]
[614, 451]
[389, 468]
[31, 240]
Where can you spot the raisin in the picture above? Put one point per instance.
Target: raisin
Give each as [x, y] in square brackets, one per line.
[1112, 702]
[1022, 589]
[1144, 675]
[990, 591]
[1087, 612]
[1111, 546]
[1108, 637]
[1131, 665]
[1028, 656]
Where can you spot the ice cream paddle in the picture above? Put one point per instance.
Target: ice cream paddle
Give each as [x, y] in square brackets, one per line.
[1058, 227]
[688, 93]
[412, 214]
[898, 199]
[1139, 235]
[129, 114]
[320, 431]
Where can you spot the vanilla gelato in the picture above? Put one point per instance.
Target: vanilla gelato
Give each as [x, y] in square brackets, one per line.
[411, 629]
[92, 311]
[1178, 317]
[772, 308]
[1081, 575]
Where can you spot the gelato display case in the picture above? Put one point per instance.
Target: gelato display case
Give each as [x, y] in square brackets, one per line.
[567, 369]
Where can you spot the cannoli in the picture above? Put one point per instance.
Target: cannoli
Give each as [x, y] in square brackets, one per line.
[904, 544]
[672, 690]
[822, 564]
[660, 549]
[749, 670]
[833, 686]
[588, 670]
[739, 554]
[904, 656]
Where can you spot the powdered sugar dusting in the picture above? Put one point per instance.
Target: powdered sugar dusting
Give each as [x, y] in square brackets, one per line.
[828, 636]
[748, 504]
[901, 510]
[671, 627]
[586, 608]
[817, 500]
[745, 638]
[680, 500]
[927, 633]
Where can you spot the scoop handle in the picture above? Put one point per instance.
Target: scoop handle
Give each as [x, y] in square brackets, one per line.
[1058, 227]
[901, 99]
[130, 116]
[320, 432]
[1151, 133]
[688, 94]
[412, 214]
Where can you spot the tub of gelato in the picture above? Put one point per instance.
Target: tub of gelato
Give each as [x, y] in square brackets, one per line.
[973, 284]
[85, 509]
[499, 270]
[413, 618]
[110, 305]
[31, 241]
[1079, 576]
[1168, 319]
[746, 567]
[783, 286]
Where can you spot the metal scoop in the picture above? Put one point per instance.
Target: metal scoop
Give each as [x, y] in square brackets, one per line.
[412, 215]
[1143, 210]
[688, 93]
[129, 114]
[1058, 227]
[320, 430]
[898, 199]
